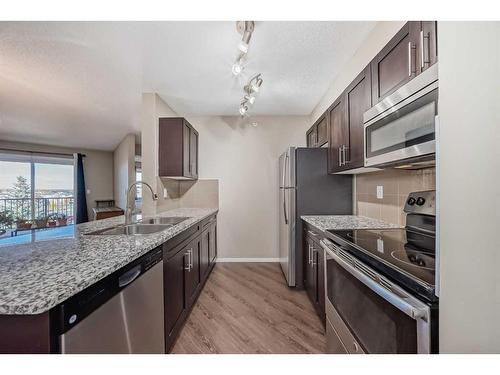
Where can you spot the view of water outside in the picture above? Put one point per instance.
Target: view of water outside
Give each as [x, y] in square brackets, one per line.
[53, 192]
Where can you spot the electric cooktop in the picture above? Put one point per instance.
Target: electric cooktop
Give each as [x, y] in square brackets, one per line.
[404, 255]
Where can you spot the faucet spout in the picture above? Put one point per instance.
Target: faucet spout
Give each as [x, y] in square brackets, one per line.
[131, 204]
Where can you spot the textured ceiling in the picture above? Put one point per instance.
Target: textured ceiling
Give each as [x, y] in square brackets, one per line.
[79, 84]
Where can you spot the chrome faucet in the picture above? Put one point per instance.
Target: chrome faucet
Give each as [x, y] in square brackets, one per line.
[131, 205]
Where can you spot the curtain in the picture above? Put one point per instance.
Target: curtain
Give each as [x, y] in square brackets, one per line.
[81, 198]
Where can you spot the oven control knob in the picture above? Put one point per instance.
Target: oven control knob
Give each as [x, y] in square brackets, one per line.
[420, 201]
[411, 201]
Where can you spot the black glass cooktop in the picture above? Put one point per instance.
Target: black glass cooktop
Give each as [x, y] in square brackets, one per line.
[404, 255]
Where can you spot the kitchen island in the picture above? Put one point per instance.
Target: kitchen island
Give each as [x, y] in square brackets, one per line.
[38, 275]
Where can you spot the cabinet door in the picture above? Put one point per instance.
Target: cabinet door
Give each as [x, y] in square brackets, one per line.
[427, 47]
[320, 266]
[205, 252]
[358, 98]
[322, 131]
[312, 136]
[310, 281]
[186, 150]
[212, 242]
[192, 271]
[396, 63]
[174, 289]
[193, 154]
[338, 137]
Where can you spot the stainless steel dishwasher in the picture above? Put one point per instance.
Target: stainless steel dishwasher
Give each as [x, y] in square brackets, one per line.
[122, 313]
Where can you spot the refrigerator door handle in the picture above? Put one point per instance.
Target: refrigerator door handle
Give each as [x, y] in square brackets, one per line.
[284, 188]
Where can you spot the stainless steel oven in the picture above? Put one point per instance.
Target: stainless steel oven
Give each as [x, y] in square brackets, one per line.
[401, 128]
[368, 313]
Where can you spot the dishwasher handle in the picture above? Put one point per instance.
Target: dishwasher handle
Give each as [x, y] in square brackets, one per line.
[129, 276]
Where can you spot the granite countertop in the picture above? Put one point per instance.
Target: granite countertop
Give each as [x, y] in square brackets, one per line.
[45, 271]
[344, 222]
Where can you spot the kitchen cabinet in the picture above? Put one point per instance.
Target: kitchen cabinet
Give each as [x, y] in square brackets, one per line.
[177, 149]
[338, 136]
[412, 50]
[357, 99]
[192, 274]
[175, 293]
[317, 135]
[314, 273]
[428, 44]
[205, 248]
[213, 242]
[186, 269]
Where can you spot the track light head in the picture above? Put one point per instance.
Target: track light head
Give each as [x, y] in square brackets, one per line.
[237, 68]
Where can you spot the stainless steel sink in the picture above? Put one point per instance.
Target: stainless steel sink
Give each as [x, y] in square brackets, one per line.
[132, 229]
[164, 220]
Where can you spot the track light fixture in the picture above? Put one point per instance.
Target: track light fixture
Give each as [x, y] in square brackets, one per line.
[246, 28]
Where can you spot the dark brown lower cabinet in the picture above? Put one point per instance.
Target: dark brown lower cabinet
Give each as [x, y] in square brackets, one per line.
[192, 271]
[314, 273]
[186, 269]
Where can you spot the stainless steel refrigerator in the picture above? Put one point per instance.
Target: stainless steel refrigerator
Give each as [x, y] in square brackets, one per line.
[306, 188]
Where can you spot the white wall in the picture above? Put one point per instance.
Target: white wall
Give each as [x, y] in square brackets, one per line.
[469, 186]
[245, 161]
[124, 169]
[376, 40]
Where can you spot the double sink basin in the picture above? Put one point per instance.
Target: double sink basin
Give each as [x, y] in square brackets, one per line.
[146, 226]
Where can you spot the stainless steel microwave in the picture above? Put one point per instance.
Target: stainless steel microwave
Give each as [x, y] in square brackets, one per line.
[400, 130]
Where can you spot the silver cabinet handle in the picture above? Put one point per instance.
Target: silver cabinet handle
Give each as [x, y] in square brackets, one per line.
[310, 255]
[340, 156]
[410, 67]
[423, 61]
[313, 263]
[355, 346]
[190, 260]
[312, 233]
[344, 149]
[422, 49]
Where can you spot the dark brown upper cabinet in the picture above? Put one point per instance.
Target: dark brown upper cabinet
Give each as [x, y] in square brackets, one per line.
[178, 149]
[412, 50]
[338, 135]
[428, 44]
[317, 135]
[346, 144]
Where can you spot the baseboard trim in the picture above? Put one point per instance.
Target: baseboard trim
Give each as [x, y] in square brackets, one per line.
[248, 260]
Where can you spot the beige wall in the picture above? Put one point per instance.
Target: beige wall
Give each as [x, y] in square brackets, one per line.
[98, 167]
[469, 186]
[376, 40]
[245, 161]
[397, 184]
[124, 169]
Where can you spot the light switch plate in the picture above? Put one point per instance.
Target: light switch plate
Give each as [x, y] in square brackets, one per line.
[165, 193]
[88, 191]
[380, 192]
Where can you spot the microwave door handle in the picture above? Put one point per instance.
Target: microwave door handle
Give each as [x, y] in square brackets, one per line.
[404, 302]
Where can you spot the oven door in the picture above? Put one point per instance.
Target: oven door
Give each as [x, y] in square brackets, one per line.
[401, 129]
[368, 313]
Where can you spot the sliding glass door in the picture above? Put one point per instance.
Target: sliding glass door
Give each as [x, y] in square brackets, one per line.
[36, 191]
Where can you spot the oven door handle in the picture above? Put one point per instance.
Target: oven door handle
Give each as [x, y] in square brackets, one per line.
[377, 283]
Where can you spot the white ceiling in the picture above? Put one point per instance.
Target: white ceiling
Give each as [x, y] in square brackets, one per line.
[79, 84]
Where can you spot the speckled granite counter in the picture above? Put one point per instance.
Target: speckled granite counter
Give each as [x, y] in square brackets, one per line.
[36, 276]
[325, 222]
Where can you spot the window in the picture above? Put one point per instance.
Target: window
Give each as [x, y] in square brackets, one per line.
[36, 191]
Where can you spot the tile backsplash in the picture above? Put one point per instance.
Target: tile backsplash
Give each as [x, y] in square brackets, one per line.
[397, 184]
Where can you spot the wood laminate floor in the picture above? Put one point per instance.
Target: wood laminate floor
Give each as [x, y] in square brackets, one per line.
[248, 308]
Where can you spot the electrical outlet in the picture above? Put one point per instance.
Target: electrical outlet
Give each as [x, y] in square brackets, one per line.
[88, 191]
[380, 192]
